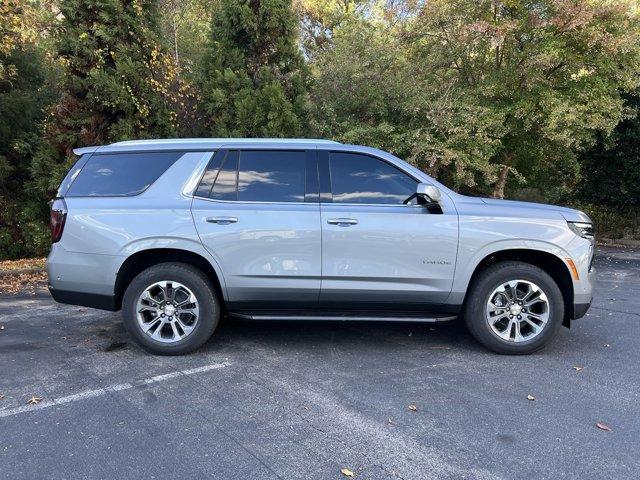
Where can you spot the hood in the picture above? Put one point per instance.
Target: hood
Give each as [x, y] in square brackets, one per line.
[569, 214]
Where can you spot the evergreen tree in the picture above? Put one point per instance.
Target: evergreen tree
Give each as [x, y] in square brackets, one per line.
[22, 99]
[611, 169]
[114, 85]
[27, 87]
[255, 80]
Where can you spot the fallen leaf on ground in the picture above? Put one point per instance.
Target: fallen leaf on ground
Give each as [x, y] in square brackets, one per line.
[577, 368]
[603, 426]
[531, 397]
[346, 472]
[413, 408]
[34, 400]
[23, 282]
[25, 263]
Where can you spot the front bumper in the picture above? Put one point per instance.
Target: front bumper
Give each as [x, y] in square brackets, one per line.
[580, 310]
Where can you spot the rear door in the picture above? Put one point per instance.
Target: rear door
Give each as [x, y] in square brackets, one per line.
[257, 212]
[378, 253]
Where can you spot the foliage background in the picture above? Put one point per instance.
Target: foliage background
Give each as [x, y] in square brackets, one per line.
[534, 100]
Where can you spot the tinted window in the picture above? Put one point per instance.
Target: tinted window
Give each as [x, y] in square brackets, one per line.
[120, 174]
[210, 174]
[226, 181]
[271, 176]
[72, 174]
[357, 178]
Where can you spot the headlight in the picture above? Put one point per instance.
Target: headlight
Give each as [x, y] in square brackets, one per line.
[582, 229]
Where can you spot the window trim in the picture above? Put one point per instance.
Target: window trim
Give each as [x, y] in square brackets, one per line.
[325, 174]
[309, 154]
[122, 195]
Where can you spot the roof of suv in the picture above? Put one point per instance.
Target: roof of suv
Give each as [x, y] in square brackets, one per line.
[196, 144]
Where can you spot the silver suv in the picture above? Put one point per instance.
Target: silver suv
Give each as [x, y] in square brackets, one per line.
[178, 233]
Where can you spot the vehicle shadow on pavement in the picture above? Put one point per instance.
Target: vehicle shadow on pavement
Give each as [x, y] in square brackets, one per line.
[383, 337]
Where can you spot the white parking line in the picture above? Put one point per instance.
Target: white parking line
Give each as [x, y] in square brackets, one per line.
[112, 388]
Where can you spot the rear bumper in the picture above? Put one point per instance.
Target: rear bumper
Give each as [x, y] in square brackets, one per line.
[82, 272]
[102, 302]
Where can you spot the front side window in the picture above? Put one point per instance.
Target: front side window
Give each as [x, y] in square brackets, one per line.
[120, 174]
[359, 178]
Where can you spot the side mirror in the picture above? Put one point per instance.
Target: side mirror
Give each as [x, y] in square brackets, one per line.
[428, 192]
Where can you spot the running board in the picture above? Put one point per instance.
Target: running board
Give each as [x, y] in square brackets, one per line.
[344, 318]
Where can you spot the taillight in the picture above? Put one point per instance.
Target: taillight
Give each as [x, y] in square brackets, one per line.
[58, 217]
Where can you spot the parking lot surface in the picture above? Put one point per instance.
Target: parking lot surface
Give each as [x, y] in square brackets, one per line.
[305, 400]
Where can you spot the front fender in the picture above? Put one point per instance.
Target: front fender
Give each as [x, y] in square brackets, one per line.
[468, 262]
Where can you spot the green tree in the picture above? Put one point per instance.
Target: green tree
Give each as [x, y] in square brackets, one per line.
[320, 18]
[611, 169]
[254, 81]
[553, 70]
[27, 87]
[115, 82]
[115, 86]
[478, 89]
[369, 89]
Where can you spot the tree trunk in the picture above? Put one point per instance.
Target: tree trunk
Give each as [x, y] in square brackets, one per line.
[498, 190]
[175, 39]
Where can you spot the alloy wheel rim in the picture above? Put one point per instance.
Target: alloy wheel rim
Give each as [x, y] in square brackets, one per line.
[517, 311]
[167, 311]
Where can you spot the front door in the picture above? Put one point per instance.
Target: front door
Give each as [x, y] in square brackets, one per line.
[378, 253]
[257, 212]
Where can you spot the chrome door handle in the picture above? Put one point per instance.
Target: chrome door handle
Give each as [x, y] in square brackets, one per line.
[343, 222]
[222, 220]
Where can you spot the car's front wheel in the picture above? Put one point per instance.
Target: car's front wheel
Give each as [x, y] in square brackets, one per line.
[170, 308]
[514, 308]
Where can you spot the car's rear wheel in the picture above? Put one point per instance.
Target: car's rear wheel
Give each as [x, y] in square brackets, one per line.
[171, 308]
[514, 308]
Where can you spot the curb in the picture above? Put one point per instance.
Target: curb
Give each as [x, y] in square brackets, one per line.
[618, 242]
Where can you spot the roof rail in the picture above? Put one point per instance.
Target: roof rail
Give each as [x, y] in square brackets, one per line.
[225, 140]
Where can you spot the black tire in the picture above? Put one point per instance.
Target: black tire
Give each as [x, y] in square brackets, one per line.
[192, 278]
[478, 296]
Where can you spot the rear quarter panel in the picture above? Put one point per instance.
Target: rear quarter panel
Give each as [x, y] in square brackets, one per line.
[102, 232]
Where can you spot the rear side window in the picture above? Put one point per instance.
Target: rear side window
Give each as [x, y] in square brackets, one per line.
[226, 184]
[260, 176]
[271, 176]
[357, 178]
[121, 174]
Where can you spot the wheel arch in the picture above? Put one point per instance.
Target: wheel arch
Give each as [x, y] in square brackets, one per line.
[553, 265]
[143, 259]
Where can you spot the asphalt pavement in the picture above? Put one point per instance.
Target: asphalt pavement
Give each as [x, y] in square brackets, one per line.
[305, 400]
